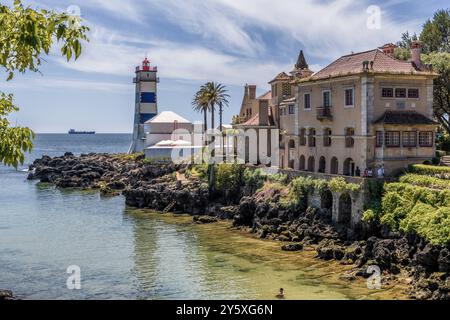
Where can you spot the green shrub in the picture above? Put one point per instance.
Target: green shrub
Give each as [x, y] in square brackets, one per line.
[435, 171]
[320, 185]
[340, 185]
[228, 177]
[430, 223]
[425, 181]
[280, 178]
[254, 179]
[443, 142]
[199, 171]
[416, 209]
[394, 208]
[301, 186]
[370, 215]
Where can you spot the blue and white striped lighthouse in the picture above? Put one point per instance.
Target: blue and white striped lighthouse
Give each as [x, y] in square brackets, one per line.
[146, 108]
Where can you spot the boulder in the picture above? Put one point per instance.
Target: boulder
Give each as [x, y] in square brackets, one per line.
[292, 247]
[205, 219]
[427, 258]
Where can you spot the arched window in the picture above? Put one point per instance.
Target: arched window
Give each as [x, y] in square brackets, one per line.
[302, 163]
[311, 164]
[345, 210]
[322, 165]
[334, 168]
[349, 167]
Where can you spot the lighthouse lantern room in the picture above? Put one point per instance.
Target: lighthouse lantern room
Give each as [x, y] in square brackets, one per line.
[146, 106]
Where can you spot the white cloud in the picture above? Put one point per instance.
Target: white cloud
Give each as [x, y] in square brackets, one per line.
[107, 53]
[49, 82]
[325, 29]
[213, 21]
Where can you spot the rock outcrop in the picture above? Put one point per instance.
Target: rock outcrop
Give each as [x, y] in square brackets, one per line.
[110, 173]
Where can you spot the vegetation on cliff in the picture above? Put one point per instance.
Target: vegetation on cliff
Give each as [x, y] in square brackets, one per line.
[418, 204]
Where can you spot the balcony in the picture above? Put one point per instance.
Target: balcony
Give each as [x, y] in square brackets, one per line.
[325, 113]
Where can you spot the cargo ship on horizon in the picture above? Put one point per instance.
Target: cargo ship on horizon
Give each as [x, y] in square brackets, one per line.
[73, 131]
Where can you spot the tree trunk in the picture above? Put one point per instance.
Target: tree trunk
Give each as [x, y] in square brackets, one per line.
[223, 135]
[205, 124]
[213, 138]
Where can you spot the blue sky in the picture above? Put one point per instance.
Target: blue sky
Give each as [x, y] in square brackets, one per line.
[230, 41]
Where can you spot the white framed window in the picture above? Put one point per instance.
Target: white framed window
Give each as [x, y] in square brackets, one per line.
[409, 139]
[349, 97]
[413, 93]
[392, 139]
[387, 93]
[426, 138]
[291, 109]
[326, 98]
[400, 93]
[307, 101]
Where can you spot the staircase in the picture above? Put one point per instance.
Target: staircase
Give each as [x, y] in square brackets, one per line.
[169, 207]
[445, 161]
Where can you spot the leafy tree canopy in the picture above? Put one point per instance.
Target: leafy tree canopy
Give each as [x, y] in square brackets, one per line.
[26, 35]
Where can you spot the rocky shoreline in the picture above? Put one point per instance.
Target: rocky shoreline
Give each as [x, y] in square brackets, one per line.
[165, 188]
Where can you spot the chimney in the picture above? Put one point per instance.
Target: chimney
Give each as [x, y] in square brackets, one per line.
[389, 49]
[252, 92]
[416, 52]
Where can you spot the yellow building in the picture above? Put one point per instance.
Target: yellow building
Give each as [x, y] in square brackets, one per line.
[264, 113]
[364, 113]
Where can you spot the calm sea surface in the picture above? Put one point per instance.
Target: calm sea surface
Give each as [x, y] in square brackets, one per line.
[126, 253]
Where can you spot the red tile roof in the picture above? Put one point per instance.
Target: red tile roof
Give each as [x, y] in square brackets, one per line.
[281, 76]
[266, 96]
[404, 117]
[254, 121]
[353, 64]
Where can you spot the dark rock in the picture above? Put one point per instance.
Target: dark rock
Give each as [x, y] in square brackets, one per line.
[205, 219]
[117, 185]
[292, 247]
[444, 260]
[428, 258]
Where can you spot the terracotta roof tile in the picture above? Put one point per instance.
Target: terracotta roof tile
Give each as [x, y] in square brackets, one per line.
[266, 96]
[353, 64]
[254, 121]
[282, 76]
[404, 117]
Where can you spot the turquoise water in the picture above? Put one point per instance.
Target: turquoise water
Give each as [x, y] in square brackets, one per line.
[125, 253]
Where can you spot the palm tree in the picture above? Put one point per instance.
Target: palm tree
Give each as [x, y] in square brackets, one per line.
[217, 95]
[201, 104]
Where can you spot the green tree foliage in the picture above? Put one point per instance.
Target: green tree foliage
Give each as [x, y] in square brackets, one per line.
[435, 38]
[26, 35]
[229, 179]
[407, 40]
[416, 207]
[441, 65]
[435, 35]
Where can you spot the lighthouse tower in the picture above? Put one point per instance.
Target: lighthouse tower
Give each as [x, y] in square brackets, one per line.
[146, 108]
